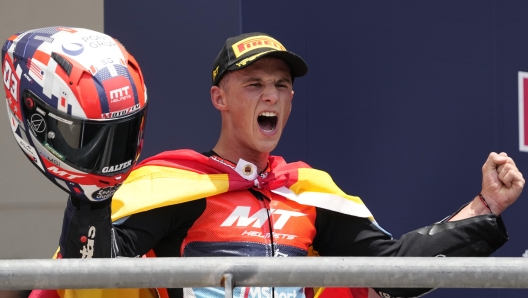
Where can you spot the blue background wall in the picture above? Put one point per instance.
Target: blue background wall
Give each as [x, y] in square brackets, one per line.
[402, 103]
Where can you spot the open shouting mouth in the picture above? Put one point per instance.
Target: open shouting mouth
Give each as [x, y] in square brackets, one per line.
[267, 121]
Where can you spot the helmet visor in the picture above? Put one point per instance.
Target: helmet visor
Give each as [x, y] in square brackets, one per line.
[101, 147]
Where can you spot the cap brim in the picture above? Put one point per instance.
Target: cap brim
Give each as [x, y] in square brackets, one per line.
[298, 67]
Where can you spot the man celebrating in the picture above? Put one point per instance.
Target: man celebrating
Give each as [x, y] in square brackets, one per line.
[238, 200]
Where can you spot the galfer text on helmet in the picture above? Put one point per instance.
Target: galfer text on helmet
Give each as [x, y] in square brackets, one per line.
[116, 168]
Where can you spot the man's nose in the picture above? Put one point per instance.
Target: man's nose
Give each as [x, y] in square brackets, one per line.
[271, 94]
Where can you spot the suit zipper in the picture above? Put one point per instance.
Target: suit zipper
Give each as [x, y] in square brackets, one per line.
[265, 201]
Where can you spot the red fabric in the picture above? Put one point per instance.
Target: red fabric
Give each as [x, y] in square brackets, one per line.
[344, 293]
[44, 294]
[359, 292]
[336, 293]
[283, 174]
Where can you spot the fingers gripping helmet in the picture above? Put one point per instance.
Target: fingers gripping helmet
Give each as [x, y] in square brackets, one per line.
[76, 103]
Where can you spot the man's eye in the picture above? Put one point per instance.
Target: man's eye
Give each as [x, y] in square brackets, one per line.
[254, 85]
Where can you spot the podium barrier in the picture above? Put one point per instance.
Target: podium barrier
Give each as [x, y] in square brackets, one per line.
[229, 272]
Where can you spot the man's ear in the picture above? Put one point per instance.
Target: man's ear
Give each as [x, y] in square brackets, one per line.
[218, 98]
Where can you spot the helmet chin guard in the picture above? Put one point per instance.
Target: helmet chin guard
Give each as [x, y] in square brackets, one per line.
[76, 102]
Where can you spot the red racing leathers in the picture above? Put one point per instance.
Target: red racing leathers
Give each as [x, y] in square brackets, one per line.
[260, 220]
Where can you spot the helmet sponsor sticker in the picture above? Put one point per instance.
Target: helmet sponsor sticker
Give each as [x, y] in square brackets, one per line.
[29, 150]
[64, 174]
[38, 124]
[60, 119]
[55, 152]
[51, 159]
[105, 193]
[119, 93]
[120, 113]
[116, 168]
[97, 41]
[73, 49]
[28, 78]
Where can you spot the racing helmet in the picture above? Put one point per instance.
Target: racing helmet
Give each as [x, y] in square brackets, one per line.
[76, 102]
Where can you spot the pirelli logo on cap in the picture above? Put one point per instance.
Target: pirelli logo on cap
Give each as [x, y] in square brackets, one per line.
[256, 42]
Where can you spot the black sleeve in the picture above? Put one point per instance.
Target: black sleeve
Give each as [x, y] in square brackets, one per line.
[344, 235]
[88, 232]
[163, 228]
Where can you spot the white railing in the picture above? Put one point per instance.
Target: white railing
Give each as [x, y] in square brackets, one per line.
[408, 272]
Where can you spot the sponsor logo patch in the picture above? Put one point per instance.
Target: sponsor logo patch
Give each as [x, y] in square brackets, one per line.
[256, 42]
[268, 292]
[73, 49]
[38, 124]
[88, 248]
[105, 193]
[97, 41]
[51, 159]
[60, 119]
[119, 93]
[55, 152]
[241, 216]
[64, 174]
[120, 113]
[118, 167]
[28, 149]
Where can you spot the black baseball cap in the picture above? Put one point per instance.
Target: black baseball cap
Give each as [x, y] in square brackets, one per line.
[243, 50]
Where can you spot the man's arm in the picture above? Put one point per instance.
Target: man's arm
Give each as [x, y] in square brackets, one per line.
[89, 233]
[473, 231]
[344, 235]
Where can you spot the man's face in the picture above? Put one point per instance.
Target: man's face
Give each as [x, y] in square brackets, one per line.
[258, 104]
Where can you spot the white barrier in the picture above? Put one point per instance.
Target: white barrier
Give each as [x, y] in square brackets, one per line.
[265, 272]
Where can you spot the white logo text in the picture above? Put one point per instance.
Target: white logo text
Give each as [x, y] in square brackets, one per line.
[241, 216]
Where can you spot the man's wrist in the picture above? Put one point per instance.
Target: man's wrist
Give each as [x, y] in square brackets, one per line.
[483, 200]
[475, 208]
[483, 205]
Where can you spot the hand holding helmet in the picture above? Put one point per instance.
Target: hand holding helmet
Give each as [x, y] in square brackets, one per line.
[76, 103]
